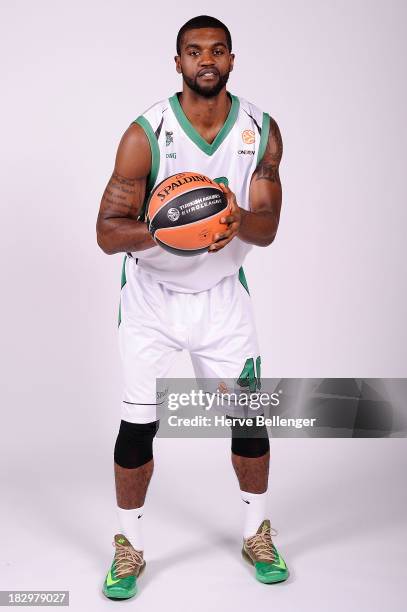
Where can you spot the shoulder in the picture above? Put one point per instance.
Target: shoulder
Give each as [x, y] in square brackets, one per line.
[270, 142]
[271, 152]
[133, 158]
[274, 142]
[153, 115]
[140, 132]
[266, 124]
[248, 109]
[134, 138]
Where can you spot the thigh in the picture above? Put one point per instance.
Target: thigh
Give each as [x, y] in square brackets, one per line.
[145, 357]
[228, 344]
[147, 346]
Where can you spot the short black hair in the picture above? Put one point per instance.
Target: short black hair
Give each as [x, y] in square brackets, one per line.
[203, 21]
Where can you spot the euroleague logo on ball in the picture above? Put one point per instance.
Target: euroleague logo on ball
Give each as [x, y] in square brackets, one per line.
[173, 214]
[248, 136]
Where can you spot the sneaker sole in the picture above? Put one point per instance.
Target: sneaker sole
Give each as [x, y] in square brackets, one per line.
[120, 597]
[280, 578]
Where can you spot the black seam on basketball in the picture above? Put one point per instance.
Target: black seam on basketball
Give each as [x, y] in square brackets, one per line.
[150, 195]
[182, 252]
[187, 224]
[180, 249]
[154, 189]
[179, 195]
[195, 212]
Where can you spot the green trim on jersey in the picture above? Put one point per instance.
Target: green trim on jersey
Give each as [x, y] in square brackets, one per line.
[155, 159]
[195, 136]
[242, 278]
[222, 179]
[123, 281]
[265, 130]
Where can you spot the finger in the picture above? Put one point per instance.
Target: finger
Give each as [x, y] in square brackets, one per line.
[229, 219]
[229, 200]
[222, 236]
[228, 193]
[220, 244]
[232, 202]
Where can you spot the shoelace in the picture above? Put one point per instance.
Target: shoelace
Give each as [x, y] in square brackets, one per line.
[127, 559]
[261, 545]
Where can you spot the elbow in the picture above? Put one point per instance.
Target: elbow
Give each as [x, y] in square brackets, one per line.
[101, 235]
[267, 241]
[271, 235]
[102, 243]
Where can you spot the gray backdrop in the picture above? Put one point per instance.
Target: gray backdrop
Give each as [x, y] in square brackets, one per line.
[329, 297]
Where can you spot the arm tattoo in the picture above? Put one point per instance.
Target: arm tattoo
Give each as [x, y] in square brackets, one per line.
[268, 167]
[267, 172]
[121, 196]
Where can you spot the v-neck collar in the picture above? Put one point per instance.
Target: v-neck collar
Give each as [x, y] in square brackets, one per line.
[194, 135]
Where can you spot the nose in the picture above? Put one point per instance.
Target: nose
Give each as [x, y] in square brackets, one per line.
[206, 59]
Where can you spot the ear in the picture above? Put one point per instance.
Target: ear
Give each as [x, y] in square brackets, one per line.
[232, 61]
[177, 60]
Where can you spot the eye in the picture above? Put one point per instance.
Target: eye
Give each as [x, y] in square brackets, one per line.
[194, 53]
[218, 52]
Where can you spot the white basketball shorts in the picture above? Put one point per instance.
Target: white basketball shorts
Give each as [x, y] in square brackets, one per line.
[216, 326]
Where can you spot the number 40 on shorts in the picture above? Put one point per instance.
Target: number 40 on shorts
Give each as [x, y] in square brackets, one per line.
[251, 374]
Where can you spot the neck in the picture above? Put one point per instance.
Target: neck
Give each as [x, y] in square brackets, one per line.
[205, 112]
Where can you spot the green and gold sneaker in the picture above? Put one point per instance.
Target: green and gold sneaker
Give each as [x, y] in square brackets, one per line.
[260, 551]
[128, 563]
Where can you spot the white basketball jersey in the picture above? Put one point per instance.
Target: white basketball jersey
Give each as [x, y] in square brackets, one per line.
[176, 146]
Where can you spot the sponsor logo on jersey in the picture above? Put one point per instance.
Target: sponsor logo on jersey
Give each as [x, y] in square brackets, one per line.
[248, 136]
[245, 152]
[169, 138]
[172, 155]
[173, 214]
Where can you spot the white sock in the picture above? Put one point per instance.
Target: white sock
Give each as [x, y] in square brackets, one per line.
[130, 522]
[255, 511]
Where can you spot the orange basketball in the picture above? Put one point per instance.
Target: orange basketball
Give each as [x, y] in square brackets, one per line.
[184, 212]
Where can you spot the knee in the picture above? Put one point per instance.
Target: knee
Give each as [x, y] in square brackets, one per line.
[249, 440]
[134, 443]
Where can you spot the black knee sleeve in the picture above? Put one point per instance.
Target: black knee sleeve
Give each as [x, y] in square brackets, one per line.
[249, 440]
[134, 443]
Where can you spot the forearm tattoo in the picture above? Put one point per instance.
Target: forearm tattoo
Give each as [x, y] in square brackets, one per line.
[122, 196]
[268, 167]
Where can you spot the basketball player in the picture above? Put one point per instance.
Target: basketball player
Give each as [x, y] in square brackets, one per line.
[166, 300]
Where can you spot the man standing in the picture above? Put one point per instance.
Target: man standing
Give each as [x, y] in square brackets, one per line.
[166, 298]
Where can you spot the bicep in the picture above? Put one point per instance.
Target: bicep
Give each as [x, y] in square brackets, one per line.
[265, 188]
[125, 191]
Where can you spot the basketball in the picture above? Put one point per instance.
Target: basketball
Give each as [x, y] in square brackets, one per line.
[184, 212]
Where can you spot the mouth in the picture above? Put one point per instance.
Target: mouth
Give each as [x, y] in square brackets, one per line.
[208, 75]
